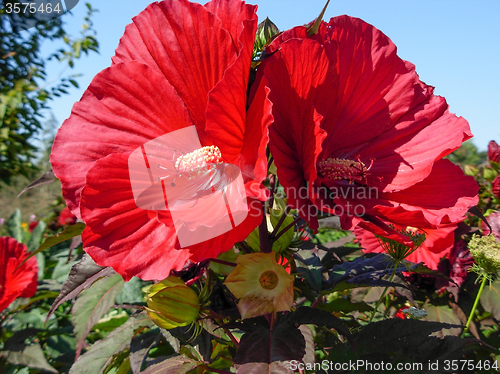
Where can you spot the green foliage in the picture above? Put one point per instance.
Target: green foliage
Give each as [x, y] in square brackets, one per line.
[24, 95]
[468, 154]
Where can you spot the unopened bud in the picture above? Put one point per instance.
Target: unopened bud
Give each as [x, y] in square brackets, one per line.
[171, 303]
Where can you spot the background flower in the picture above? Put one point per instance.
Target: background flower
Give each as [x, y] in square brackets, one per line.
[356, 128]
[437, 245]
[15, 282]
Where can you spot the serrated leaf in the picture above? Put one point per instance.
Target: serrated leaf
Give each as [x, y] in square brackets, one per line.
[31, 356]
[68, 233]
[284, 342]
[101, 353]
[345, 306]
[308, 337]
[443, 313]
[13, 226]
[364, 271]
[81, 277]
[391, 335]
[140, 347]
[311, 316]
[310, 268]
[92, 304]
[174, 365]
[490, 299]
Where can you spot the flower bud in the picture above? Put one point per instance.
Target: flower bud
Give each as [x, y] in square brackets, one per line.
[494, 151]
[171, 303]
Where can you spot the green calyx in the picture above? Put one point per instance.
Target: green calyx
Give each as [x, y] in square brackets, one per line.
[171, 303]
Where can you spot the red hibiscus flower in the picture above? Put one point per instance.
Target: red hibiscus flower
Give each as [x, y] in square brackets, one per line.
[358, 135]
[495, 186]
[66, 217]
[493, 151]
[15, 282]
[179, 65]
[438, 244]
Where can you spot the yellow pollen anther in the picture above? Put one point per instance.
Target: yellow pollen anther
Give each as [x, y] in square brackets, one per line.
[337, 168]
[198, 159]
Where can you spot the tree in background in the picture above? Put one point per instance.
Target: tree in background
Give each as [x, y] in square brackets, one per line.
[24, 95]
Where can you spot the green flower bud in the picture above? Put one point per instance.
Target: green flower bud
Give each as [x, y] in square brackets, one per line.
[171, 303]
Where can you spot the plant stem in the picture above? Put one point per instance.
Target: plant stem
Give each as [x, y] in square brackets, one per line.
[471, 315]
[265, 241]
[396, 265]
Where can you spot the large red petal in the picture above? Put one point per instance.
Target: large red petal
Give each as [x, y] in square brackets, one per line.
[443, 197]
[189, 46]
[228, 100]
[253, 158]
[118, 233]
[125, 106]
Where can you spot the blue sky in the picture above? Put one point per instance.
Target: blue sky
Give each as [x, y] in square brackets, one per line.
[455, 45]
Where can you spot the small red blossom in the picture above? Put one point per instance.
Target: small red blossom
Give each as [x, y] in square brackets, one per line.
[401, 312]
[358, 135]
[179, 65]
[495, 186]
[438, 244]
[66, 217]
[15, 282]
[32, 225]
[493, 151]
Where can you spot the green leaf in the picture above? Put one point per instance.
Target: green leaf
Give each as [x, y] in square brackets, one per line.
[175, 365]
[92, 304]
[36, 236]
[31, 356]
[445, 314]
[81, 277]
[35, 240]
[260, 344]
[132, 292]
[345, 306]
[13, 225]
[312, 316]
[68, 233]
[490, 299]
[310, 268]
[101, 353]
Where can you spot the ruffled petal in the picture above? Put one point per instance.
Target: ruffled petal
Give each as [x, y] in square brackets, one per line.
[121, 235]
[227, 102]
[422, 205]
[124, 107]
[16, 280]
[187, 44]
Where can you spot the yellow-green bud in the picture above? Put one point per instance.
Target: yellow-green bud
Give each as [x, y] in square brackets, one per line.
[171, 303]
